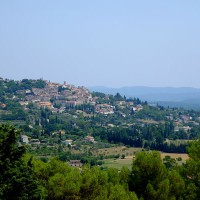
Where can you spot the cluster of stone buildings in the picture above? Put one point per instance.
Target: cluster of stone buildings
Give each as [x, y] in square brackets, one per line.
[104, 109]
[58, 97]
[64, 95]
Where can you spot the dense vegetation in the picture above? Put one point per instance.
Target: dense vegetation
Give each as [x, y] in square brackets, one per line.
[152, 127]
[25, 177]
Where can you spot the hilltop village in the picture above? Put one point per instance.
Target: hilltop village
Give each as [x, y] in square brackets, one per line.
[55, 115]
[57, 97]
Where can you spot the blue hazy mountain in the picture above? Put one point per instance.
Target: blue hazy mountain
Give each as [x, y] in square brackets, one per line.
[167, 96]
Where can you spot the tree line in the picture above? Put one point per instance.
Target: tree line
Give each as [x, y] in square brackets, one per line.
[25, 177]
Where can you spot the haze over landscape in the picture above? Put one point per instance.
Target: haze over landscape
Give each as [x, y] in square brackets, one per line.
[102, 43]
[99, 100]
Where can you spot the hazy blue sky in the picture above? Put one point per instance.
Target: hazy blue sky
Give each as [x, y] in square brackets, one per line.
[102, 42]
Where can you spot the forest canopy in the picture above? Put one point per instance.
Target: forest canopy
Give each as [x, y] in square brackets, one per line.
[26, 177]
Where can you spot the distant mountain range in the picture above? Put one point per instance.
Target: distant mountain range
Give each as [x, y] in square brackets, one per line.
[186, 97]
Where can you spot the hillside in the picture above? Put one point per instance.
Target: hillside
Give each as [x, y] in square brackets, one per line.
[57, 115]
[186, 97]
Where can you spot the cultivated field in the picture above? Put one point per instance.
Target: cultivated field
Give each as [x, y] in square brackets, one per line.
[118, 163]
[129, 156]
[121, 150]
[184, 156]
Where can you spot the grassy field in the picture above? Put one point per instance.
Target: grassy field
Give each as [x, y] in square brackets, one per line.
[129, 154]
[184, 156]
[117, 163]
[121, 150]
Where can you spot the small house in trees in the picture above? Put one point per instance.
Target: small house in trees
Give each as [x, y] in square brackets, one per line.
[139, 107]
[2, 105]
[89, 139]
[75, 163]
[67, 142]
[24, 139]
[45, 104]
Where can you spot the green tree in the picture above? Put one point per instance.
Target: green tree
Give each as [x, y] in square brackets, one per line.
[17, 179]
[124, 176]
[118, 97]
[169, 162]
[117, 192]
[147, 169]
[191, 171]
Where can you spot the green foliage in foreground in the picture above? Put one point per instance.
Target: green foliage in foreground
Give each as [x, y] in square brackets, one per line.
[63, 182]
[16, 176]
[149, 179]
